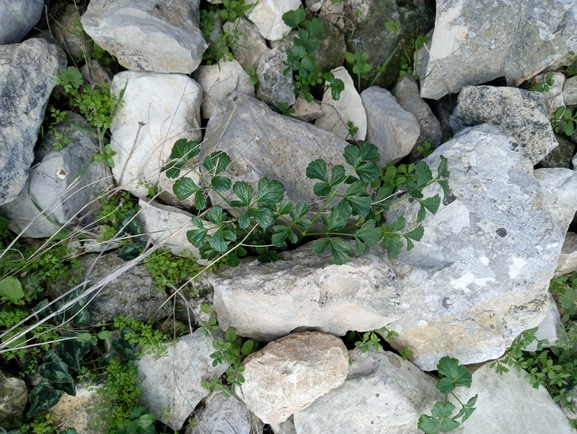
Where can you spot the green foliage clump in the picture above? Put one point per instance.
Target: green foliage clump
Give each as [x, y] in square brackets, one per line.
[407, 64]
[371, 339]
[115, 208]
[142, 334]
[564, 120]
[545, 84]
[170, 271]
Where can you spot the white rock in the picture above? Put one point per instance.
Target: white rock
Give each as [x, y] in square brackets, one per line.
[568, 258]
[570, 91]
[349, 107]
[218, 81]
[267, 15]
[168, 107]
[306, 111]
[550, 328]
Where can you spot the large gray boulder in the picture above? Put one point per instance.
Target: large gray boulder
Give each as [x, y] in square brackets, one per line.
[480, 274]
[511, 39]
[17, 19]
[27, 73]
[148, 35]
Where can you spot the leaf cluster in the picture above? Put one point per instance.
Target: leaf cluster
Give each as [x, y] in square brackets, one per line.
[564, 120]
[170, 271]
[371, 339]
[545, 84]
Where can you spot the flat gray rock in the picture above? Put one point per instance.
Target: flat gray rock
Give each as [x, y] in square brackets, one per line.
[17, 19]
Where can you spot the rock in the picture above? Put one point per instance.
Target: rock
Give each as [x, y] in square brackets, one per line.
[66, 31]
[514, 39]
[219, 414]
[331, 52]
[166, 193]
[27, 77]
[570, 91]
[13, 401]
[508, 404]
[173, 381]
[267, 16]
[382, 394]
[96, 73]
[348, 108]
[554, 96]
[218, 81]
[131, 294]
[273, 87]
[406, 92]
[17, 19]
[391, 128]
[568, 258]
[286, 427]
[306, 290]
[171, 29]
[288, 375]
[550, 328]
[250, 46]
[76, 411]
[306, 111]
[520, 113]
[262, 143]
[168, 106]
[64, 184]
[561, 155]
[481, 272]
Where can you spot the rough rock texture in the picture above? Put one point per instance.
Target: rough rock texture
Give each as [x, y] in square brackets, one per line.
[481, 272]
[349, 107]
[568, 258]
[393, 129]
[306, 111]
[306, 290]
[94, 72]
[250, 46]
[174, 42]
[331, 52]
[168, 106]
[27, 73]
[288, 375]
[273, 87]
[13, 400]
[550, 328]
[76, 411]
[406, 92]
[382, 394]
[219, 413]
[561, 155]
[508, 404]
[519, 113]
[262, 143]
[17, 19]
[54, 185]
[570, 91]
[559, 191]
[267, 16]
[172, 381]
[515, 40]
[66, 33]
[218, 81]
[131, 295]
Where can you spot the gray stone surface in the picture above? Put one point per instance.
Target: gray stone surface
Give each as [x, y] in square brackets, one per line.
[168, 106]
[561, 155]
[13, 400]
[27, 73]
[391, 128]
[550, 329]
[331, 52]
[17, 19]
[554, 96]
[382, 394]
[262, 143]
[570, 91]
[568, 258]
[273, 87]
[519, 113]
[174, 42]
[66, 30]
[480, 274]
[250, 46]
[288, 375]
[173, 381]
[306, 111]
[306, 290]
[512, 39]
[267, 16]
[64, 184]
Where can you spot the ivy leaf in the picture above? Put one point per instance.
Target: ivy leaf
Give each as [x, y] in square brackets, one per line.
[369, 233]
[11, 290]
[318, 170]
[424, 175]
[269, 192]
[184, 150]
[216, 215]
[452, 374]
[220, 183]
[184, 187]
[216, 163]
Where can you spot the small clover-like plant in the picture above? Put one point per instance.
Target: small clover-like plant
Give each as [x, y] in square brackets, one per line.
[105, 156]
[451, 375]
[371, 339]
[360, 66]
[564, 120]
[545, 84]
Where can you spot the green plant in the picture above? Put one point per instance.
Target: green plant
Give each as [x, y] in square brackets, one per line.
[408, 50]
[565, 120]
[115, 208]
[170, 271]
[42, 425]
[545, 84]
[141, 422]
[425, 150]
[301, 60]
[252, 74]
[393, 26]
[352, 129]
[372, 339]
[105, 156]
[234, 9]
[285, 109]
[451, 375]
[565, 287]
[360, 65]
[54, 137]
[142, 335]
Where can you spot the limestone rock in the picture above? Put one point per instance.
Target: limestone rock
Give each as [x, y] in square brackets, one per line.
[288, 375]
[13, 400]
[349, 107]
[158, 110]
[382, 394]
[306, 290]
[173, 381]
[517, 112]
[331, 52]
[94, 72]
[27, 73]
[570, 91]
[218, 81]
[568, 258]
[76, 411]
[306, 111]
[514, 39]
[391, 128]
[250, 46]
[17, 19]
[174, 42]
[267, 16]
[65, 31]
[559, 194]
[550, 328]
[64, 183]
[273, 86]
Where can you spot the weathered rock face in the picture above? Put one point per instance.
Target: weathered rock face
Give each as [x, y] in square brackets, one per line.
[516, 40]
[54, 185]
[174, 42]
[331, 52]
[77, 411]
[288, 375]
[267, 16]
[262, 143]
[568, 259]
[550, 328]
[382, 394]
[18, 18]
[250, 46]
[519, 113]
[168, 107]
[13, 400]
[273, 86]
[27, 73]
[561, 155]
[570, 91]
[173, 381]
[65, 32]
[481, 272]
[304, 290]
